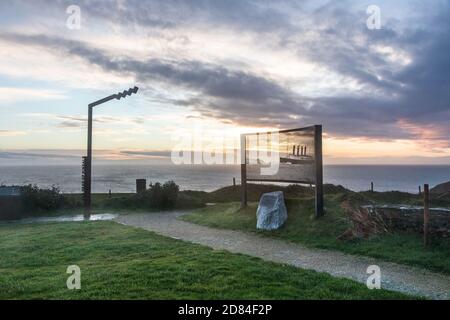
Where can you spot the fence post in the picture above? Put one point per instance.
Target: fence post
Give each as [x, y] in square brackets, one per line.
[234, 182]
[420, 190]
[371, 186]
[243, 171]
[426, 214]
[141, 185]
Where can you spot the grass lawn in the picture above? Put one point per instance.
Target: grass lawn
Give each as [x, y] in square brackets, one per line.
[119, 262]
[302, 228]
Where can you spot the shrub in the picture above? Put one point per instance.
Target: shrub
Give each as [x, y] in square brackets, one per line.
[160, 196]
[10, 208]
[35, 198]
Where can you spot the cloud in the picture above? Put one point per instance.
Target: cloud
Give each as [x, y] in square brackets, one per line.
[395, 76]
[40, 154]
[80, 121]
[253, 15]
[12, 94]
[73, 157]
[11, 133]
[150, 153]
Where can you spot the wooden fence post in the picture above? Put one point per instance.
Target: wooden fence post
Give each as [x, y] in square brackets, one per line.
[371, 186]
[141, 185]
[426, 214]
[243, 172]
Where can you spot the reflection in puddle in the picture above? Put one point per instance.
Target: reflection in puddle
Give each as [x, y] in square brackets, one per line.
[73, 218]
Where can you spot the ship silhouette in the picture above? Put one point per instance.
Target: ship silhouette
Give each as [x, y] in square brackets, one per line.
[298, 156]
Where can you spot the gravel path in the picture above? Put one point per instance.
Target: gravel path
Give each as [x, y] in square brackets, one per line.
[393, 276]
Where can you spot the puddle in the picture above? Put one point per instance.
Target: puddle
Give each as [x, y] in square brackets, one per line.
[71, 218]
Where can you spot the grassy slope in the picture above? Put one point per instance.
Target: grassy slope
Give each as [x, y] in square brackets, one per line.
[302, 228]
[128, 263]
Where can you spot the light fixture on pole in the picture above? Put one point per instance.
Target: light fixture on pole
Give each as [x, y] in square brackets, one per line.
[87, 161]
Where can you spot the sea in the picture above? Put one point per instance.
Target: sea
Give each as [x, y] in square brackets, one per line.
[121, 178]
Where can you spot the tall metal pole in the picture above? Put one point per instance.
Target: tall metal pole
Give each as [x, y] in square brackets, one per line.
[88, 169]
[88, 174]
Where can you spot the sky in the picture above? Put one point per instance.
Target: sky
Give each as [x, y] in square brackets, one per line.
[227, 66]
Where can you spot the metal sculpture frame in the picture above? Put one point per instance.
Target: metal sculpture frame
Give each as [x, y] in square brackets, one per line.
[318, 167]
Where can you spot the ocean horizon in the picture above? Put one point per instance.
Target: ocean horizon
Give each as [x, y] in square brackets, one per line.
[121, 178]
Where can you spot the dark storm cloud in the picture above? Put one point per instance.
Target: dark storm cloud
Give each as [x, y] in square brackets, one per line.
[221, 93]
[241, 14]
[418, 92]
[248, 15]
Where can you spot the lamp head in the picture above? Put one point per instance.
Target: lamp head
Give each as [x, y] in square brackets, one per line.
[126, 93]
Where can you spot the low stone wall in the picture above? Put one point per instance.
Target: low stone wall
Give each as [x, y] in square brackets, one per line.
[409, 218]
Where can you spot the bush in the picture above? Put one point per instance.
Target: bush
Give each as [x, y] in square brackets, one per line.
[160, 196]
[35, 198]
[11, 208]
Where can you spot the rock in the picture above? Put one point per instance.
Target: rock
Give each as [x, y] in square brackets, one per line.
[441, 188]
[271, 213]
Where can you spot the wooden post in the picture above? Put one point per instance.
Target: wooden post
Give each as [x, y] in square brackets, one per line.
[234, 182]
[371, 186]
[243, 172]
[420, 190]
[426, 214]
[319, 169]
[141, 185]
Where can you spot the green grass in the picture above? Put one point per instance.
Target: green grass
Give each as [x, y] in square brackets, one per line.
[119, 262]
[302, 228]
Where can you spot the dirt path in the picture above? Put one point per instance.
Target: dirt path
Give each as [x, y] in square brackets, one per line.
[393, 276]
